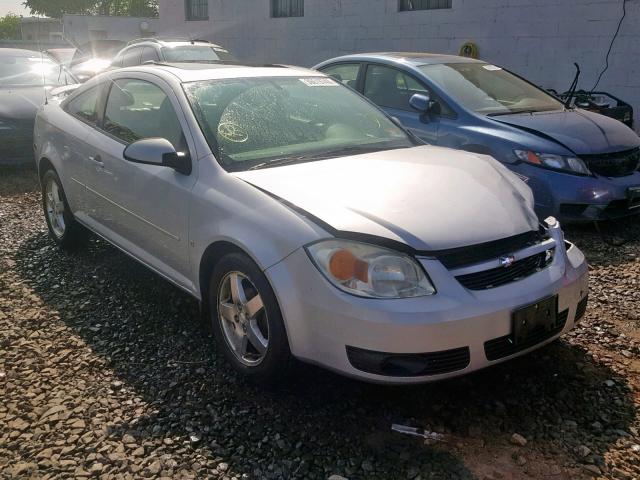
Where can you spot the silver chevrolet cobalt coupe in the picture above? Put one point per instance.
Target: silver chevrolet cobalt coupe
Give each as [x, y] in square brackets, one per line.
[307, 222]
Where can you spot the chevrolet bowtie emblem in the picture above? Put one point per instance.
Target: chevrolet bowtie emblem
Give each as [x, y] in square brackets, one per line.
[507, 260]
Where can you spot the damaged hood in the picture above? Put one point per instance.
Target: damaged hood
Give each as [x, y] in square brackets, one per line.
[583, 132]
[429, 198]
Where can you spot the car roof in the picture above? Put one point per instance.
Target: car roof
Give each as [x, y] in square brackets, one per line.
[174, 42]
[193, 72]
[415, 58]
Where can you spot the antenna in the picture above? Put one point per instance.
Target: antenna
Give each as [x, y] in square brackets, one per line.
[44, 80]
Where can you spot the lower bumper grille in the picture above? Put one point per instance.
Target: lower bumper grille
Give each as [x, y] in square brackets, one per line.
[503, 346]
[409, 364]
[581, 309]
[496, 277]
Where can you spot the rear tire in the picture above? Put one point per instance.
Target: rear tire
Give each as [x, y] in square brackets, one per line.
[246, 320]
[63, 227]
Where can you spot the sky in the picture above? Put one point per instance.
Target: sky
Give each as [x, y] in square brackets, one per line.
[14, 6]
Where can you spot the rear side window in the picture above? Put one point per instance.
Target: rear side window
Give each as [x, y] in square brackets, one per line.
[346, 73]
[85, 106]
[137, 109]
[149, 54]
[131, 57]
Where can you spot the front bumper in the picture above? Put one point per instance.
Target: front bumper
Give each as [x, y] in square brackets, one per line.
[574, 198]
[323, 323]
[16, 141]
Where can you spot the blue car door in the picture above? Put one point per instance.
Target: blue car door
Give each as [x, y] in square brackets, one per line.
[391, 89]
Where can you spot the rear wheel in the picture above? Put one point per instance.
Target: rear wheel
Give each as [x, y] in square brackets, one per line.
[63, 228]
[247, 321]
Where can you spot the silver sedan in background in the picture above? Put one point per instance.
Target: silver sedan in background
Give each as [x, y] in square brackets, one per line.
[307, 222]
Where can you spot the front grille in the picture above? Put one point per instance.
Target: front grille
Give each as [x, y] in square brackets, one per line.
[618, 164]
[409, 364]
[581, 309]
[503, 346]
[459, 257]
[496, 277]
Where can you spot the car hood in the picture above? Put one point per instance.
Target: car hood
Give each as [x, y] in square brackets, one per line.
[581, 131]
[429, 198]
[21, 103]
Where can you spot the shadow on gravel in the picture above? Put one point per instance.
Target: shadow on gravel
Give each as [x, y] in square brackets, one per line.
[608, 243]
[147, 332]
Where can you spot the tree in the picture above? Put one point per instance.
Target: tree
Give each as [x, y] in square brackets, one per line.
[10, 27]
[57, 8]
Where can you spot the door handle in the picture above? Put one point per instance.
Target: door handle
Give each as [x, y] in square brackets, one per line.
[97, 159]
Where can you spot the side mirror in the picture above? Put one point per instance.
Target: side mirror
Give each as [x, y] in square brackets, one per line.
[159, 152]
[421, 102]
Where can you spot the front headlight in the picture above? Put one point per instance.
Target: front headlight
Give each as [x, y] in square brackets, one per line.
[368, 270]
[556, 162]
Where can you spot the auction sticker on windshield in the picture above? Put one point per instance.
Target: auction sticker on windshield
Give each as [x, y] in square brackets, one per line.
[319, 82]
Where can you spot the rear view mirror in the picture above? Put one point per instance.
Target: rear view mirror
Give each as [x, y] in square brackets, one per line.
[160, 152]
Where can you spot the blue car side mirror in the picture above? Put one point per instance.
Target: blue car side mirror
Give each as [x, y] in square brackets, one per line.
[421, 102]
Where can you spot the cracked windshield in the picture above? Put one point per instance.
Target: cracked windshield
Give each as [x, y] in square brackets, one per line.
[262, 122]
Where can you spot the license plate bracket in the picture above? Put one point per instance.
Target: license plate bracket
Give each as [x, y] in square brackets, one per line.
[540, 315]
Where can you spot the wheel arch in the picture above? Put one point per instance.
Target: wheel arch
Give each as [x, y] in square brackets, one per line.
[43, 165]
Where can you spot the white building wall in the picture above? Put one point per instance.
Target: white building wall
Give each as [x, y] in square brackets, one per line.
[539, 39]
[80, 29]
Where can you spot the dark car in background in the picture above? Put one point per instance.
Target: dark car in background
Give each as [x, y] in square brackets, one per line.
[144, 50]
[94, 57]
[26, 79]
[581, 166]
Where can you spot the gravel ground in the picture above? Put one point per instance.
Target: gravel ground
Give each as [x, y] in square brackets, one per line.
[106, 372]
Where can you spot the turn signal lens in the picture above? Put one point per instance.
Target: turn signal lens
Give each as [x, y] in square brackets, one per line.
[533, 158]
[344, 266]
[369, 270]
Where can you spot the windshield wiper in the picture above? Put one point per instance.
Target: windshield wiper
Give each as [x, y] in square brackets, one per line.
[513, 112]
[276, 162]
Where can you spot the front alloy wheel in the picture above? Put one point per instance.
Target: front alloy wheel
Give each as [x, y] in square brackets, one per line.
[243, 318]
[247, 320]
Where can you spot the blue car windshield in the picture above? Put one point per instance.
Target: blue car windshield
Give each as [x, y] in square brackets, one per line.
[267, 121]
[488, 89]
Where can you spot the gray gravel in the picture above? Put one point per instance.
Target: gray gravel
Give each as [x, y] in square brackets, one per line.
[106, 372]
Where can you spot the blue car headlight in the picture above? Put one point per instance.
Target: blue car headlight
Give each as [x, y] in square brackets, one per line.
[562, 163]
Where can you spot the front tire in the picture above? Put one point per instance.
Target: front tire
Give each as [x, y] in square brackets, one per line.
[247, 321]
[63, 227]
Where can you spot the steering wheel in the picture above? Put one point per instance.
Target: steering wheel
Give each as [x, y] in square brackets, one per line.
[232, 132]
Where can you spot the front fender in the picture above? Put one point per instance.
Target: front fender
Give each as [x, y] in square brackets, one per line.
[228, 209]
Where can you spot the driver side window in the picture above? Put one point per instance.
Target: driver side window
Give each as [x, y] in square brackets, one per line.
[138, 109]
[391, 88]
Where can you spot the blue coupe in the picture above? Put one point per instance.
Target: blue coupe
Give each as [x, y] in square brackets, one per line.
[581, 166]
